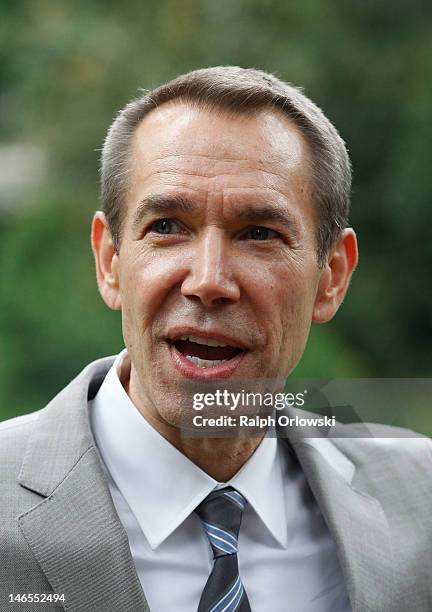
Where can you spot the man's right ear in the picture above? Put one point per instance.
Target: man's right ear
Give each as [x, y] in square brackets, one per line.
[106, 259]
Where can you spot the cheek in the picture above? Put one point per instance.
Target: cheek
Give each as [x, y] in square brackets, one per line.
[145, 285]
[288, 299]
[278, 289]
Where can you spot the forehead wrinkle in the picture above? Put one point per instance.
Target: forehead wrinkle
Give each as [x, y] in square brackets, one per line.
[226, 183]
[280, 168]
[248, 171]
[214, 168]
[212, 158]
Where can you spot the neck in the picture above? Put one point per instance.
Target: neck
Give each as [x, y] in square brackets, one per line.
[220, 458]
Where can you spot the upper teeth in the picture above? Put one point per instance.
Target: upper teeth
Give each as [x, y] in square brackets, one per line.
[207, 341]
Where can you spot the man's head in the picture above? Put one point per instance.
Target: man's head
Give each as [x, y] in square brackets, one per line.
[224, 225]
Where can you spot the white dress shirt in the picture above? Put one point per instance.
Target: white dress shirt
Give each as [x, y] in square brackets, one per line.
[287, 558]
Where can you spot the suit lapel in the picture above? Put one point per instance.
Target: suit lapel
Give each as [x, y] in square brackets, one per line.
[80, 544]
[356, 522]
[74, 532]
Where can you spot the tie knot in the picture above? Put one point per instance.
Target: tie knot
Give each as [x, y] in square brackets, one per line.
[221, 514]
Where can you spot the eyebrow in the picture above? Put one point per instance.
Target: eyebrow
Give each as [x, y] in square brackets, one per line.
[168, 205]
[270, 212]
[160, 205]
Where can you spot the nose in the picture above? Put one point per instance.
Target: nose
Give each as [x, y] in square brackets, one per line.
[210, 277]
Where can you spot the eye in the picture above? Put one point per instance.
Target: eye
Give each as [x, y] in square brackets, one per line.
[257, 232]
[164, 226]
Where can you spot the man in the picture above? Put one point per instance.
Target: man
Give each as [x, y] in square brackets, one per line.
[224, 235]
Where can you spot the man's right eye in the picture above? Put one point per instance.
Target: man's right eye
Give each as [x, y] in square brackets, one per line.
[164, 226]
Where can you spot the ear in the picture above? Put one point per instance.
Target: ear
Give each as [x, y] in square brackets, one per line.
[335, 277]
[106, 260]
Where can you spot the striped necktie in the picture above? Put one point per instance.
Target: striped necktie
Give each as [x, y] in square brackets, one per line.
[221, 514]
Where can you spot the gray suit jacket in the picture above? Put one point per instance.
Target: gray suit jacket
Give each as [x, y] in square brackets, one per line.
[59, 530]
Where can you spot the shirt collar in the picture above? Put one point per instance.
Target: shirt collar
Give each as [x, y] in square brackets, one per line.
[260, 481]
[160, 484]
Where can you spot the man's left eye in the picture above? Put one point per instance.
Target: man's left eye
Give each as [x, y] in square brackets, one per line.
[164, 226]
[256, 232]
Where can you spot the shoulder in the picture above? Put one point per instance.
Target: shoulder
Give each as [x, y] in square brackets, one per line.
[364, 441]
[17, 425]
[65, 411]
[390, 460]
[14, 434]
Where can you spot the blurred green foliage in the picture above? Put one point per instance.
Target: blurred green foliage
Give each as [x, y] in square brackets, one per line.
[67, 67]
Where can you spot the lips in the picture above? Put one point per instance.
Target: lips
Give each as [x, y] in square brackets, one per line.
[205, 356]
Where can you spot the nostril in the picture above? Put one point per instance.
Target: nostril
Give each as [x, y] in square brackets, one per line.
[212, 289]
[224, 300]
[209, 301]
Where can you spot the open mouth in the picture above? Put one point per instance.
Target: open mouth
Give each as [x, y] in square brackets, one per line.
[205, 352]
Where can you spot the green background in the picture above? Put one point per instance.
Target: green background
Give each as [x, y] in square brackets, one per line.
[65, 70]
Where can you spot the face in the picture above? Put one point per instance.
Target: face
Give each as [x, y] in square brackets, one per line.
[217, 274]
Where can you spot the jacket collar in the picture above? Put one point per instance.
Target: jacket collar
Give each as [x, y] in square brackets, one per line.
[62, 434]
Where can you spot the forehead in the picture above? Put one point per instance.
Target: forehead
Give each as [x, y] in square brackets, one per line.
[182, 146]
[180, 127]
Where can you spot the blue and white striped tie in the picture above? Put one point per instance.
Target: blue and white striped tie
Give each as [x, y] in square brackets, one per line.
[221, 514]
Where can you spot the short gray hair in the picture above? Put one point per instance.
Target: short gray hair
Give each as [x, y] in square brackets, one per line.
[242, 91]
